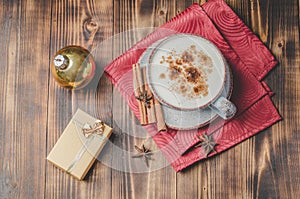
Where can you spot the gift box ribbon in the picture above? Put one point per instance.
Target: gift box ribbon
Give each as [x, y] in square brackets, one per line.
[250, 61]
[90, 133]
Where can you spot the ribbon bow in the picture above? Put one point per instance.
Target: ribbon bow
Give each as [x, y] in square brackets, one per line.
[97, 128]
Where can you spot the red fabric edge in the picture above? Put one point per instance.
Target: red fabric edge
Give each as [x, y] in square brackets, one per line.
[180, 165]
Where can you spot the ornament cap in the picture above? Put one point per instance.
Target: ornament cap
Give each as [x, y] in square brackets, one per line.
[61, 62]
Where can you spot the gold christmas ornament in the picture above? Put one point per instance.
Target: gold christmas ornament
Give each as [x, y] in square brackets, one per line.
[73, 67]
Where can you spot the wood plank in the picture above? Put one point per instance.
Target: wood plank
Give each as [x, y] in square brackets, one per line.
[159, 184]
[277, 156]
[87, 24]
[23, 91]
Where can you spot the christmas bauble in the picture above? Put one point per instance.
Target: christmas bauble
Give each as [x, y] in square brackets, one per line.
[73, 67]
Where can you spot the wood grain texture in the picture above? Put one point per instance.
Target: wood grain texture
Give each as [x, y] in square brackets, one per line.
[34, 110]
[277, 147]
[87, 24]
[24, 95]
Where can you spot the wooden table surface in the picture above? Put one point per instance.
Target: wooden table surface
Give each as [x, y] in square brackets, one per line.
[34, 110]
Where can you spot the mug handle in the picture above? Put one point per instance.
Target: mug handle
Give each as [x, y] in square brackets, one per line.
[223, 107]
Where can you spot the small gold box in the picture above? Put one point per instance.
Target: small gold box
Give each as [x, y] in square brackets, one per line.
[75, 152]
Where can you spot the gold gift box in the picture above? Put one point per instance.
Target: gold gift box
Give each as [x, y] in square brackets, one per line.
[74, 152]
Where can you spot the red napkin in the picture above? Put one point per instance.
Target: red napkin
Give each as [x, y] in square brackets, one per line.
[250, 61]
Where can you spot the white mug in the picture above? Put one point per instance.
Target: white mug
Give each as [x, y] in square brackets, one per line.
[188, 72]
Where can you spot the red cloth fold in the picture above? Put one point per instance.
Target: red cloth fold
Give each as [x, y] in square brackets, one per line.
[250, 61]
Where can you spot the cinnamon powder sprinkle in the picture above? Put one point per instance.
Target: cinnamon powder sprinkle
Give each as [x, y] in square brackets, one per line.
[162, 76]
[192, 74]
[174, 71]
[187, 57]
[189, 69]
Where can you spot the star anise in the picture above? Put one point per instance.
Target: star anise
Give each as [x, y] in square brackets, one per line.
[144, 97]
[207, 142]
[144, 153]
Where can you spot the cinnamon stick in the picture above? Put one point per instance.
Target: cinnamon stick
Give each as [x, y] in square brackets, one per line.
[138, 91]
[150, 102]
[161, 125]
